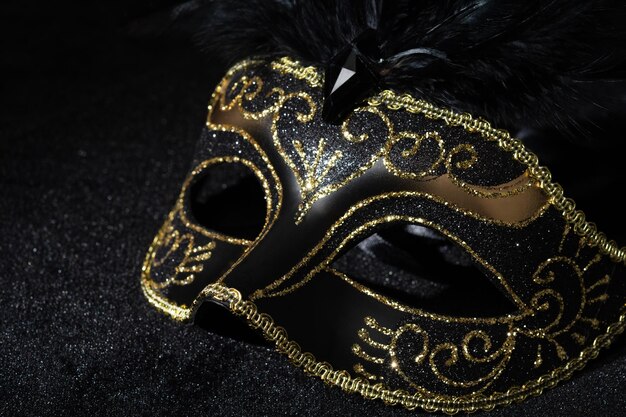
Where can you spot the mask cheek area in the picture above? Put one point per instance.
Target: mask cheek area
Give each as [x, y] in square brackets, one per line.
[391, 273]
[405, 304]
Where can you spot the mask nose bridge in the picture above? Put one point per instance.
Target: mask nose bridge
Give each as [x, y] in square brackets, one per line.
[286, 242]
[283, 242]
[273, 254]
[293, 233]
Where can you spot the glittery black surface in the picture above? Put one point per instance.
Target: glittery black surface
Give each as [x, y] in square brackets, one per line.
[97, 138]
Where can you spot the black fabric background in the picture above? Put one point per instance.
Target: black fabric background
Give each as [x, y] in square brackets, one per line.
[96, 132]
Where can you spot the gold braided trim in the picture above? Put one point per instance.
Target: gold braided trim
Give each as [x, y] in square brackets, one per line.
[309, 74]
[393, 101]
[231, 298]
[157, 301]
[567, 206]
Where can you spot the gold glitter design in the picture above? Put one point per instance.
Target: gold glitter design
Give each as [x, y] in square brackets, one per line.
[504, 353]
[567, 206]
[515, 187]
[541, 300]
[579, 338]
[311, 174]
[365, 336]
[360, 369]
[538, 358]
[309, 193]
[417, 140]
[425, 352]
[604, 281]
[312, 178]
[340, 378]
[537, 176]
[356, 349]
[154, 297]
[192, 261]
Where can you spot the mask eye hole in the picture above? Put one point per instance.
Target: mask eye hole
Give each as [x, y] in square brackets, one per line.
[421, 268]
[228, 198]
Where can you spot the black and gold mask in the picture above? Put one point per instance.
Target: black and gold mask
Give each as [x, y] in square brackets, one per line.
[420, 256]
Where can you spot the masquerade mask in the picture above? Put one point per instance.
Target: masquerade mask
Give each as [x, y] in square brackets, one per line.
[407, 253]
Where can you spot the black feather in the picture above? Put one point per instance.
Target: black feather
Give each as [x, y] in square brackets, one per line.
[557, 63]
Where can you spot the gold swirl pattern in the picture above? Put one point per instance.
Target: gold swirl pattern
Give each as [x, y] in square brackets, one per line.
[416, 142]
[181, 249]
[319, 164]
[455, 162]
[317, 180]
[504, 352]
[411, 401]
[442, 356]
[548, 319]
[564, 294]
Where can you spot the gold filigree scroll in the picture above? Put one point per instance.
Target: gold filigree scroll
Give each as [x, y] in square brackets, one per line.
[453, 352]
[371, 389]
[323, 165]
[319, 163]
[430, 356]
[181, 250]
[407, 155]
[324, 158]
[549, 319]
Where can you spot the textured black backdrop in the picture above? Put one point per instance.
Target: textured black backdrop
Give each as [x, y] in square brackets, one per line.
[96, 131]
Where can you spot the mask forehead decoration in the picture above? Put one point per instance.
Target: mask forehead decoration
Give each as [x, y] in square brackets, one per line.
[282, 209]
